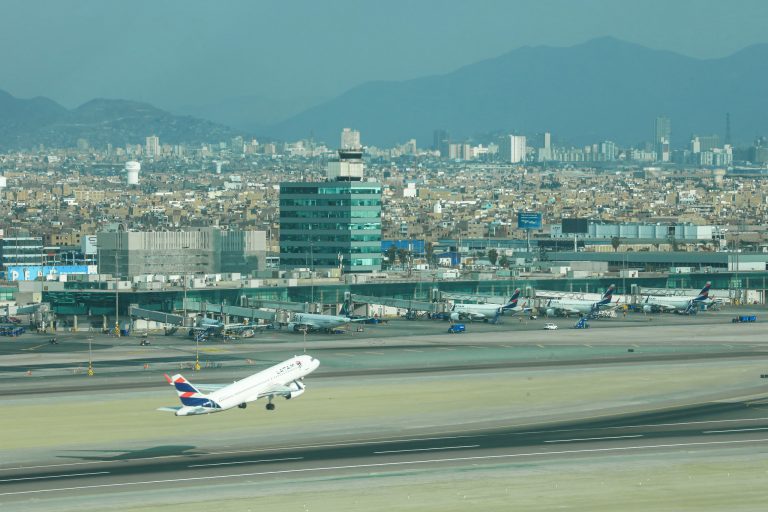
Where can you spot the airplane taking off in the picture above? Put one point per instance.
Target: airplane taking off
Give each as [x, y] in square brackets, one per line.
[314, 322]
[590, 308]
[284, 379]
[486, 312]
[684, 304]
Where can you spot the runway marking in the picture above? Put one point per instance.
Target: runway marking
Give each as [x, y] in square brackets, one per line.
[592, 438]
[649, 425]
[733, 430]
[374, 353]
[727, 345]
[242, 462]
[35, 347]
[445, 348]
[506, 346]
[53, 476]
[343, 354]
[588, 345]
[539, 345]
[388, 464]
[429, 449]
[476, 346]
[412, 350]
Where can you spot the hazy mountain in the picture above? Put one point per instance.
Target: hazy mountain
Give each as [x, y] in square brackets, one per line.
[251, 114]
[29, 122]
[602, 89]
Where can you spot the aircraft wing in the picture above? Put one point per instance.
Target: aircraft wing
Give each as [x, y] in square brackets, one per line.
[169, 409]
[281, 390]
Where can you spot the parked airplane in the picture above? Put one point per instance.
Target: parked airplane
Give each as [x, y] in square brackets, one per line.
[486, 312]
[653, 303]
[590, 308]
[284, 379]
[314, 322]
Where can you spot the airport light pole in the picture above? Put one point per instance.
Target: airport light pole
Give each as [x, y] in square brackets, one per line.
[90, 358]
[117, 297]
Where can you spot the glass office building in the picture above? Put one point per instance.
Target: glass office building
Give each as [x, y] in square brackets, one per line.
[330, 224]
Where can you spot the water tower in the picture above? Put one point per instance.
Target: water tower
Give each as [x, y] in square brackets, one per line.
[132, 169]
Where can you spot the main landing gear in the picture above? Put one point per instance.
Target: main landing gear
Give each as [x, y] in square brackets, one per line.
[242, 405]
[270, 406]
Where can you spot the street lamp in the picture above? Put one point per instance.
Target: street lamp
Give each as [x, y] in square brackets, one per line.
[117, 299]
[90, 358]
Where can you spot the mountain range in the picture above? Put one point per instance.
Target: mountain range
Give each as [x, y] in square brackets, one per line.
[604, 89]
[26, 123]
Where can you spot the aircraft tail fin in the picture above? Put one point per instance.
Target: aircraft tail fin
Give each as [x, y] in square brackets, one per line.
[704, 293]
[607, 296]
[512, 301]
[188, 393]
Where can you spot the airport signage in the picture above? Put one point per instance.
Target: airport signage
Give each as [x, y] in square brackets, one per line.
[45, 272]
[528, 220]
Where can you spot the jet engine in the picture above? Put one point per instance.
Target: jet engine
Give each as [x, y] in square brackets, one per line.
[647, 309]
[550, 312]
[297, 389]
[293, 326]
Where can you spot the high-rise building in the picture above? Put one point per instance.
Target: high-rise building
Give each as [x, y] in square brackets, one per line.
[333, 223]
[662, 135]
[512, 148]
[153, 146]
[350, 139]
[440, 142]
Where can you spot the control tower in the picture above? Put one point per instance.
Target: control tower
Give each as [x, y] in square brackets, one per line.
[348, 167]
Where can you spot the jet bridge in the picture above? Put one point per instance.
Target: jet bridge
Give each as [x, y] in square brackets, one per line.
[155, 316]
[225, 310]
[407, 304]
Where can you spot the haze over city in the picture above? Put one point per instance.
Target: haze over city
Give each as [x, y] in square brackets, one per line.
[415, 255]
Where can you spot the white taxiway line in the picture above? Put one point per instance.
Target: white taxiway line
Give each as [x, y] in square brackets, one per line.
[592, 439]
[392, 464]
[733, 430]
[429, 449]
[53, 476]
[242, 462]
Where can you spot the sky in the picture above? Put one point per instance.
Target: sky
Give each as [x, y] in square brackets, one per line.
[190, 52]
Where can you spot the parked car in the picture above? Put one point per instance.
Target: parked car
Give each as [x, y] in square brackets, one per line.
[550, 327]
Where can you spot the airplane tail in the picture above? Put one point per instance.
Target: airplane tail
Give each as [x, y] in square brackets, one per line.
[188, 394]
[704, 293]
[607, 296]
[512, 301]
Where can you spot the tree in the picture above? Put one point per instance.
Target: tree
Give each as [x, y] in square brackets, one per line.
[493, 256]
[430, 253]
[504, 261]
[615, 243]
[402, 255]
[392, 254]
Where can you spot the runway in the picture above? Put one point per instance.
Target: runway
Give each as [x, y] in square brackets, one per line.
[435, 419]
[706, 426]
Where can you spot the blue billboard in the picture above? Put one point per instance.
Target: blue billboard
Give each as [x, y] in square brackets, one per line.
[529, 220]
[45, 272]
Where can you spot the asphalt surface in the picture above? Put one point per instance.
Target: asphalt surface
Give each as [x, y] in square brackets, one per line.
[682, 429]
[31, 368]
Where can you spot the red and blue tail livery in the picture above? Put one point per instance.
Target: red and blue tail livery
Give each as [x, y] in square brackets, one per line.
[284, 379]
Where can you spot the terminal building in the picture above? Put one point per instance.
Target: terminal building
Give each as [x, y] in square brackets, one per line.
[334, 224]
[206, 250]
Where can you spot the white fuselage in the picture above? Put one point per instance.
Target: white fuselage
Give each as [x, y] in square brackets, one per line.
[251, 388]
[572, 305]
[477, 310]
[315, 321]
